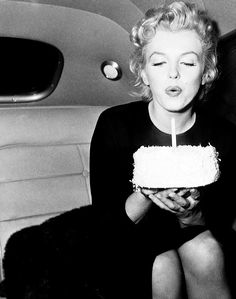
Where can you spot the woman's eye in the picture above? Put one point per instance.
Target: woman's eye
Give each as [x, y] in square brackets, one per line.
[158, 63]
[188, 63]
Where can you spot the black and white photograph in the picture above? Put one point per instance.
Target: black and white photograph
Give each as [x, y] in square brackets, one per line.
[117, 149]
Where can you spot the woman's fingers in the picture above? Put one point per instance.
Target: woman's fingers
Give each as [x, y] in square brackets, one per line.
[162, 200]
[164, 197]
[159, 203]
[147, 192]
[175, 200]
[191, 196]
[181, 198]
[195, 194]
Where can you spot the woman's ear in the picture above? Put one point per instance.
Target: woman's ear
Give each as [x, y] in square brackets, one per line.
[144, 78]
[204, 78]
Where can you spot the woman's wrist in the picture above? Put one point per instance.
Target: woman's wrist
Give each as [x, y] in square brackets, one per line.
[191, 218]
[137, 205]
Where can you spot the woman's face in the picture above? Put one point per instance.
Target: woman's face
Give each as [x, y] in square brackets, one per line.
[174, 68]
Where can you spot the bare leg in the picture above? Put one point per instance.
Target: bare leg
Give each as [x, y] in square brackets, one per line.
[203, 262]
[167, 277]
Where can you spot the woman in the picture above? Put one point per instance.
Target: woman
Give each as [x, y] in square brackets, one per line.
[170, 239]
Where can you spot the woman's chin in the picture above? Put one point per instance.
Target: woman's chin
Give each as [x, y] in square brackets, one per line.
[178, 107]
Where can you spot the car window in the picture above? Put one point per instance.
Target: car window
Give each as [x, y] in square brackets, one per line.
[29, 69]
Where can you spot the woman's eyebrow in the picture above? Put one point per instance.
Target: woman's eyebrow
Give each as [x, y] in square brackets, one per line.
[191, 52]
[182, 54]
[156, 53]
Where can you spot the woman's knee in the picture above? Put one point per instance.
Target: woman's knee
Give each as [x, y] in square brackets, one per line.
[167, 276]
[202, 256]
[167, 267]
[165, 261]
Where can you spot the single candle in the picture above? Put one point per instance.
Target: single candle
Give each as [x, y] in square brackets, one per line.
[173, 133]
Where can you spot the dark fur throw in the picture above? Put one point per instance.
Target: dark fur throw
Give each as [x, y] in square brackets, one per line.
[60, 258]
[81, 254]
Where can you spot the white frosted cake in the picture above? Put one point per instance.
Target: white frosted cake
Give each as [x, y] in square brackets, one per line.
[175, 167]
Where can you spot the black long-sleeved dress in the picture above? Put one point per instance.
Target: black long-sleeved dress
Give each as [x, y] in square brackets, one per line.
[119, 132]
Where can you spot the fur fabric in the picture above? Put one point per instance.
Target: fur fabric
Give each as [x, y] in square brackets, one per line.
[56, 259]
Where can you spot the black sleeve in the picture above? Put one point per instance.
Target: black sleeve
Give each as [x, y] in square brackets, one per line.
[219, 204]
[109, 169]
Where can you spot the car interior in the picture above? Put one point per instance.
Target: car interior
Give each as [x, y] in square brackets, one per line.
[62, 63]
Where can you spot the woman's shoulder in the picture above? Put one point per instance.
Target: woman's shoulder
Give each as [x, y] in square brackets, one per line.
[224, 125]
[217, 121]
[219, 129]
[130, 110]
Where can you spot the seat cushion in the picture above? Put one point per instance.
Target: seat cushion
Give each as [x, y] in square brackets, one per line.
[44, 164]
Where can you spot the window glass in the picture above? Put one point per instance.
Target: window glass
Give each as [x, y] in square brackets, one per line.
[29, 69]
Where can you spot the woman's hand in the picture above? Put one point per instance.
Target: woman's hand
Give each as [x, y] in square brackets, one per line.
[181, 202]
[176, 201]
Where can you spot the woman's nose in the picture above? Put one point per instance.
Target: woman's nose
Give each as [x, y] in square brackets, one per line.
[174, 72]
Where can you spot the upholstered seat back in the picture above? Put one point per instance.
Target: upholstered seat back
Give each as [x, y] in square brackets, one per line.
[44, 164]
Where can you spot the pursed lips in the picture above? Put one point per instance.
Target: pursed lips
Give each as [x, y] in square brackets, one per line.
[173, 91]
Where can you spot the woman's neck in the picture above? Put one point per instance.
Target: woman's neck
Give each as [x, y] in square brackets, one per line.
[162, 119]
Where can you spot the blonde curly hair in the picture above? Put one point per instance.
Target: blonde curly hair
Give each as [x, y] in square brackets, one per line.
[174, 17]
